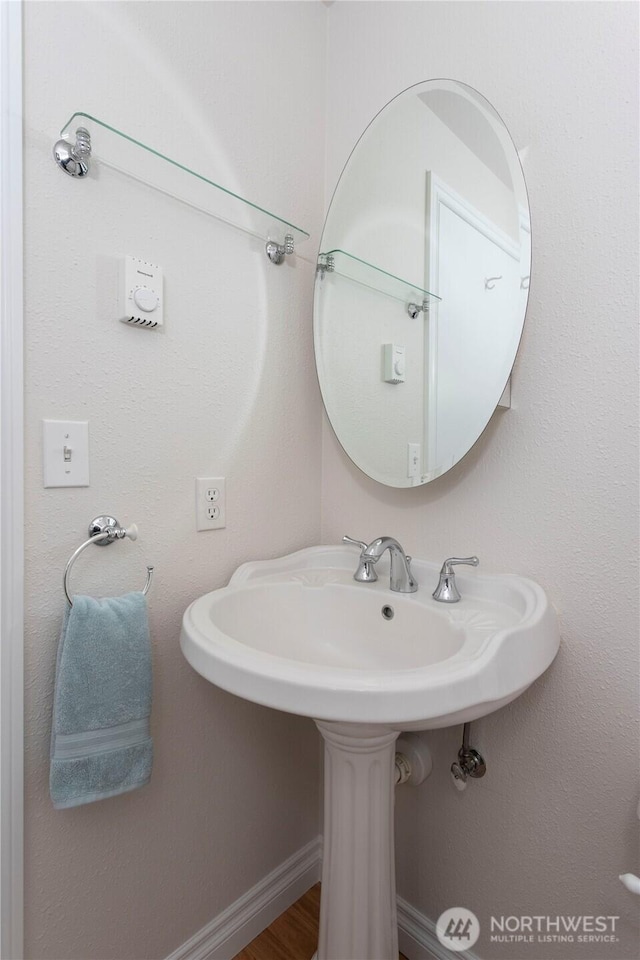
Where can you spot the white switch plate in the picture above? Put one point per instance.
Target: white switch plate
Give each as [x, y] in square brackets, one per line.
[211, 506]
[65, 446]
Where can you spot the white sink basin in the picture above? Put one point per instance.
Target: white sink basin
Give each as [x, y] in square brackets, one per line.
[300, 635]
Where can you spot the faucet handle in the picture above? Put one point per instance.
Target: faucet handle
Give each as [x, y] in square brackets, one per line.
[366, 572]
[356, 543]
[446, 566]
[447, 591]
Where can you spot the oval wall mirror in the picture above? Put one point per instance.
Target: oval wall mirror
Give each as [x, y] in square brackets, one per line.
[422, 280]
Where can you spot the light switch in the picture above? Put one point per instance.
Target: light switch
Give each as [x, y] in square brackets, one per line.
[65, 446]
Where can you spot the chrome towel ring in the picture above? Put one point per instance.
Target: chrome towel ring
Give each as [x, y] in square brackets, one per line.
[103, 530]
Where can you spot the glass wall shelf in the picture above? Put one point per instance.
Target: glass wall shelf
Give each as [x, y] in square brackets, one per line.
[124, 153]
[353, 268]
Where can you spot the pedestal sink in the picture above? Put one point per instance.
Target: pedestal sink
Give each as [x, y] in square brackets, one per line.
[300, 635]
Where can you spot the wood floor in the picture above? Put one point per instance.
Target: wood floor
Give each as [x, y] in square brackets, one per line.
[293, 936]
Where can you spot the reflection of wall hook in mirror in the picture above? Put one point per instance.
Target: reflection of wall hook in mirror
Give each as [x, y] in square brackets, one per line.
[489, 282]
[524, 283]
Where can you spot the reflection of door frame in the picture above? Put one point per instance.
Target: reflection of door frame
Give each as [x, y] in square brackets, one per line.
[439, 194]
[11, 484]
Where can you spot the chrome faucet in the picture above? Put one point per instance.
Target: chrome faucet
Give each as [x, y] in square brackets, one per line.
[401, 580]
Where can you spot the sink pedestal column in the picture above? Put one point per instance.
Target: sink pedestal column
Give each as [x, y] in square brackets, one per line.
[358, 903]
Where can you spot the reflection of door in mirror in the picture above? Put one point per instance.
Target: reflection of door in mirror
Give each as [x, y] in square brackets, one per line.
[474, 266]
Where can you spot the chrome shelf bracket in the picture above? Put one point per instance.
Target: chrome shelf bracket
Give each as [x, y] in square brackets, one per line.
[74, 158]
[276, 252]
[326, 264]
[413, 309]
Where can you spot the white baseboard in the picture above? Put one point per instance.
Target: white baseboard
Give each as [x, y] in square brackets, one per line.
[248, 916]
[229, 932]
[417, 937]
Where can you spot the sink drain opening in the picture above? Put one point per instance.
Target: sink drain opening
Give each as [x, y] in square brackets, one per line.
[388, 612]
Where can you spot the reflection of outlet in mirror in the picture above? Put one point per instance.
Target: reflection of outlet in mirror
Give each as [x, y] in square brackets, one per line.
[210, 503]
[413, 459]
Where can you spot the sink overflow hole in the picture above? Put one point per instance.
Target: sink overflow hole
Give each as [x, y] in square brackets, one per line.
[388, 612]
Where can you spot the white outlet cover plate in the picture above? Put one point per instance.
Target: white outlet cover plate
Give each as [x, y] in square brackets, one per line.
[74, 435]
[211, 513]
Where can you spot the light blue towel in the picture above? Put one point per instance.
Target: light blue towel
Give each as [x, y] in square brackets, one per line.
[100, 742]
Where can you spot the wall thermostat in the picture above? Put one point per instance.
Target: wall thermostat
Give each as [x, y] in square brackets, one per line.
[393, 363]
[141, 293]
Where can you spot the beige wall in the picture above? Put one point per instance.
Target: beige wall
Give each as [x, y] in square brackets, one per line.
[550, 491]
[227, 388]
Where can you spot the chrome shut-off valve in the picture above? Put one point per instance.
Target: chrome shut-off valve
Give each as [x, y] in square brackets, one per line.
[470, 763]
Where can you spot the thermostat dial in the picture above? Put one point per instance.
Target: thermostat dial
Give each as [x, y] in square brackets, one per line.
[145, 299]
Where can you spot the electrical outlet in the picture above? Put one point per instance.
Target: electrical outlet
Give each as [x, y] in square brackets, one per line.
[210, 503]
